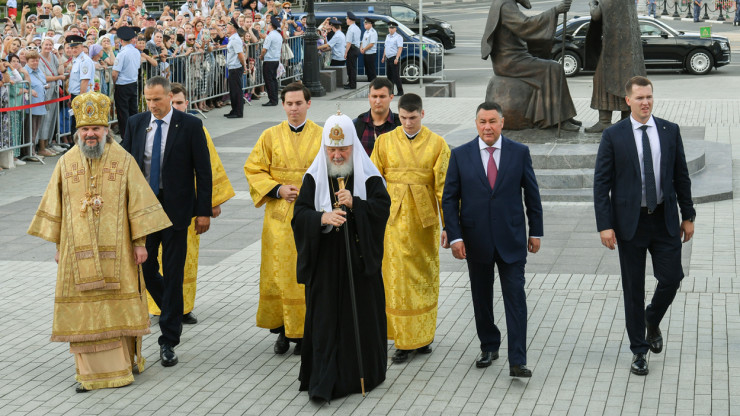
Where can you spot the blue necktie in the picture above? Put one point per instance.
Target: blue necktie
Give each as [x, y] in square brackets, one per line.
[651, 195]
[154, 169]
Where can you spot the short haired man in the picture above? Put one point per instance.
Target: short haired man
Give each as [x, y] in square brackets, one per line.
[487, 181]
[337, 44]
[369, 48]
[82, 74]
[329, 362]
[641, 180]
[151, 137]
[270, 57]
[352, 50]
[413, 162]
[222, 192]
[392, 56]
[100, 306]
[126, 76]
[274, 170]
[379, 119]
[237, 66]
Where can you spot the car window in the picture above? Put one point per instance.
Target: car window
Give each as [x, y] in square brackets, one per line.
[382, 28]
[403, 14]
[647, 29]
[580, 31]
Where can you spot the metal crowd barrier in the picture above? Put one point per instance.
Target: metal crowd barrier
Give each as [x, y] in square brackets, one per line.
[18, 134]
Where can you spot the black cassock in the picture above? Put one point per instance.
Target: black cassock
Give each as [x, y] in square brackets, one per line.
[329, 363]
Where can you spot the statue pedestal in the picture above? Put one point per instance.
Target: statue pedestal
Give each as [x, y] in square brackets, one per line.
[514, 96]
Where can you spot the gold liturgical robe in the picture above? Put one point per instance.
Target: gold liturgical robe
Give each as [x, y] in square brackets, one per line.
[280, 157]
[96, 211]
[222, 192]
[415, 171]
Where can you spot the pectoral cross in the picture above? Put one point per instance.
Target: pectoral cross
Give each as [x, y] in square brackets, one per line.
[113, 171]
[74, 173]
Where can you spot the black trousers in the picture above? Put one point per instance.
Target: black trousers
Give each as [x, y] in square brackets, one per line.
[651, 235]
[167, 290]
[352, 55]
[269, 69]
[72, 121]
[126, 98]
[511, 277]
[369, 60]
[391, 71]
[236, 93]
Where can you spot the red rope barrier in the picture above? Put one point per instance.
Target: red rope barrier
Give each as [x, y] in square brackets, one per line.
[25, 107]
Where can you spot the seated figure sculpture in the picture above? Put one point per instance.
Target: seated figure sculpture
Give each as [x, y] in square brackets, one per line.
[527, 84]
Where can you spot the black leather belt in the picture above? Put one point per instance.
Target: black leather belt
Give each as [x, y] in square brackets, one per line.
[645, 210]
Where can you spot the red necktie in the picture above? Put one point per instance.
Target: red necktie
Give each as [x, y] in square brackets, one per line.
[492, 169]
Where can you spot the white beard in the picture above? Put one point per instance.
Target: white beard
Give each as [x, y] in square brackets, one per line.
[341, 171]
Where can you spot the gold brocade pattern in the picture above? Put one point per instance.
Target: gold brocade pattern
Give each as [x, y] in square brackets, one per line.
[117, 308]
[280, 157]
[415, 171]
[222, 192]
[112, 367]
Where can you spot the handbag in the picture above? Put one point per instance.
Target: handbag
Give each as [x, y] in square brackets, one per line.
[287, 53]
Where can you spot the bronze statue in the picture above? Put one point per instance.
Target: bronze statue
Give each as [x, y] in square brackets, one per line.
[614, 47]
[527, 83]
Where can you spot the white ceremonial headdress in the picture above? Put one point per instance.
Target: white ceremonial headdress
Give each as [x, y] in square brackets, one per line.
[340, 131]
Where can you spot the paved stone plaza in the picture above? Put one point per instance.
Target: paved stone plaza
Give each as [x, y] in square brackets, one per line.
[577, 346]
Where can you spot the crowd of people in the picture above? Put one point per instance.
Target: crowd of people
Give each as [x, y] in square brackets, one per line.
[188, 45]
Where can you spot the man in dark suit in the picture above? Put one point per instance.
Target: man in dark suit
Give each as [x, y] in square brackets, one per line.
[170, 148]
[482, 204]
[639, 179]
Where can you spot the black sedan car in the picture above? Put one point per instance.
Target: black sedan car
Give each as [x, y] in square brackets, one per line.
[663, 47]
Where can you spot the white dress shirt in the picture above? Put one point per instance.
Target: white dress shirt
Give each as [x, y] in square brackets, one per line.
[150, 142]
[652, 133]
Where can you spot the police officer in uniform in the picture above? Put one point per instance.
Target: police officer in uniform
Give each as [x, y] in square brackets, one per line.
[352, 51]
[392, 56]
[237, 65]
[82, 75]
[337, 44]
[126, 75]
[369, 48]
[270, 58]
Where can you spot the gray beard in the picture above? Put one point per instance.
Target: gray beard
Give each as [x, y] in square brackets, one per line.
[92, 152]
[342, 171]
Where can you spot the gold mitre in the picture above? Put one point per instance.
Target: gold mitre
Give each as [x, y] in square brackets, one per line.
[91, 109]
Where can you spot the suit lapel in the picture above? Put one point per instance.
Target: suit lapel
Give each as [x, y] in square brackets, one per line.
[476, 161]
[171, 135]
[663, 148]
[140, 138]
[631, 145]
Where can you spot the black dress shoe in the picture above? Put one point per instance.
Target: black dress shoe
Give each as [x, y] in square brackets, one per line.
[400, 356]
[168, 356]
[520, 371]
[298, 347]
[80, 389]
[234, 116]
[189, 318]
[269, 104]
[349, 87]
[228, 114]
[654, 337]
[427, 349]
[281, 345]
[639, 364]
[486, 358]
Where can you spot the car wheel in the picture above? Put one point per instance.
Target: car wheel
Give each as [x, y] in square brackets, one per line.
[410, 71]
[572, 63]
[699, 62]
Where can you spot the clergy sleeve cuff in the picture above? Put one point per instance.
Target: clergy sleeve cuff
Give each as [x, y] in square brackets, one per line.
[275, 193]
[140, 242]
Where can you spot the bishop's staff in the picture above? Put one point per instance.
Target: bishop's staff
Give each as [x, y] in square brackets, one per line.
[340, 181]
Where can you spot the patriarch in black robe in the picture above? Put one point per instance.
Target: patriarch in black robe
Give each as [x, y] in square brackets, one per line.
[329, 360]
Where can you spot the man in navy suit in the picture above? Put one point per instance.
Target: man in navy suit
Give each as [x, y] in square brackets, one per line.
[482, 204]
[640, 180]
[170, 148]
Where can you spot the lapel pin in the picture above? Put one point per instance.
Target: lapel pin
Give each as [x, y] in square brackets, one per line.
[177, 125]
[148, 129]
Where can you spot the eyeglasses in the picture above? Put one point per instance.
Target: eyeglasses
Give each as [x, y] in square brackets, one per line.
[191, 39]
[31, 48]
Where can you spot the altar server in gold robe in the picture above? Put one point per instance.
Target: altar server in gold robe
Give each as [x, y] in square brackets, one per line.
[222, 192]
[274, 170]
[413, 161]
[98, 208]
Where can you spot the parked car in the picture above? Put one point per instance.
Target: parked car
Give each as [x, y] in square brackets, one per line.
[438, 30]
[430, 53]
[662, 46]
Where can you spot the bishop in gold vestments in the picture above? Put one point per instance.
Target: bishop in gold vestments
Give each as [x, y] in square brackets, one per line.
[222, 192]
[280, 157]
[99, 210]
[414, 168]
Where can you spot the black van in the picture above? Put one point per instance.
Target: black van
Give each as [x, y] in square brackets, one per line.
[435, 29]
